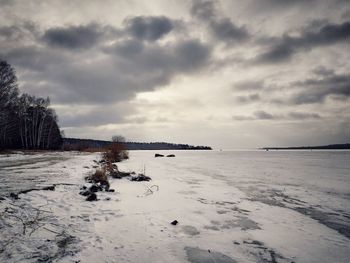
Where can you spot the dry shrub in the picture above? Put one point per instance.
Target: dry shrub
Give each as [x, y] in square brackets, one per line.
[116, 152]
[99, 176]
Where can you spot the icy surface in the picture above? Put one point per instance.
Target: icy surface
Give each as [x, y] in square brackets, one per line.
[252, 206]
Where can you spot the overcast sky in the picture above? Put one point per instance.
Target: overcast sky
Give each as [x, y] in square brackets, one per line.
[229, 74]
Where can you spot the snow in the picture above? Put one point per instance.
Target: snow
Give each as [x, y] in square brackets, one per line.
[251, 206]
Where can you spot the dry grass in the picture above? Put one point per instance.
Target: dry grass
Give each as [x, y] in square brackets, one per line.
[99, 176]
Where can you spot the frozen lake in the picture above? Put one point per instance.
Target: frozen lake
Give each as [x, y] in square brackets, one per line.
[232, 206]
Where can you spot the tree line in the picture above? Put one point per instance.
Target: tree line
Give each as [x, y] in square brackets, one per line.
[82, 144]
[26, 121]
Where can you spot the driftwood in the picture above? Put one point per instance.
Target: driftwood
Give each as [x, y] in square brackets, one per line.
[45, 188]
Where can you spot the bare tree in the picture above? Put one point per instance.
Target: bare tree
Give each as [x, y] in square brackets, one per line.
[26, 121]
[8, 99]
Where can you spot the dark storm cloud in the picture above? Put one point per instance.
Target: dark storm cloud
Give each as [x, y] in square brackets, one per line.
[222, 28]
[32, 58]
[285, 47]
[168, 59]
[112, 72]
[149, 28]
[316, 90]
[126, 68]
[73, 37]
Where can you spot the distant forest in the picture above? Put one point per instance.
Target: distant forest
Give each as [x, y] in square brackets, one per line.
[26, 121]
[344, 146]
[81, 144]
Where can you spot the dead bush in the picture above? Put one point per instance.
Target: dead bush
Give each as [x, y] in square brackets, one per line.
[116, 152]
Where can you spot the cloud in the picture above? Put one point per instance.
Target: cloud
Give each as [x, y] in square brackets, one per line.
[285, 47]
[225, 30]
[249, 98]
[303, 115]
[149, 28]
[107, 75]
[84, 115]
[263, 115]
[249, 85]
[74, 37]
[204, 9]
[221, 28]
[316, 90]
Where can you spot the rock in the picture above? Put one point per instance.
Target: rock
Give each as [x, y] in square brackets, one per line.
[140, 178]
[118, 174]
[107, 198]
[104, 185]
[83, 187]
[158, 155]
[85, 193]
[14, 196]
[174, 223]
[49, 188]
[170, 155]
[95, 188]
[111, 190]
[92, 197]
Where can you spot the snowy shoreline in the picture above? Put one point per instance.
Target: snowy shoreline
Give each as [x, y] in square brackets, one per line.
[220, 218]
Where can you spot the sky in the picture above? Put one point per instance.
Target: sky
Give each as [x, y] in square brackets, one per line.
[226, 73]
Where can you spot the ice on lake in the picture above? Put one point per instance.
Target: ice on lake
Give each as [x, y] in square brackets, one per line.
[233, 206]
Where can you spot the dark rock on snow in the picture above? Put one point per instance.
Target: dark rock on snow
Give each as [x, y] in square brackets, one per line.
[158, 155]
[119, 174]
[14, 196]
[92, 197]
[174, 223]
[49, 188]
[95, 188]
[140, 178]
[85, 193]
[170, 155]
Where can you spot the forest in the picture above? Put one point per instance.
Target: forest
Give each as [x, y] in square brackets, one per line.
[26, 121]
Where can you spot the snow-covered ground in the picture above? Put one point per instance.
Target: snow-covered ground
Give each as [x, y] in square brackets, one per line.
[232, 206]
